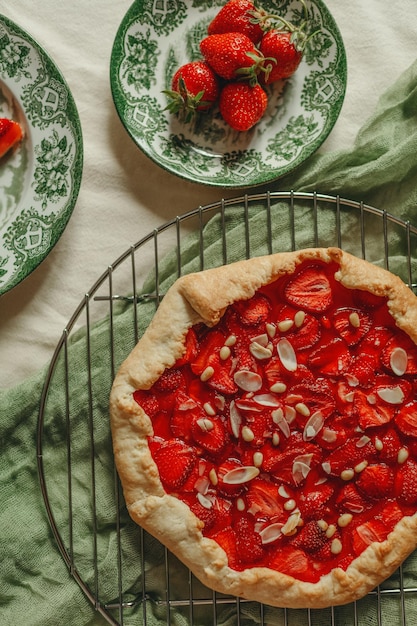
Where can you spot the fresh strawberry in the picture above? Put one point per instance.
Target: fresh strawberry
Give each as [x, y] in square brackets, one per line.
[362, 367]
[376, 481]
[191, 348]
[276, 372]
[310, 538]
[170, 380]
[226, 488]
[10, 134]
[331, 358]
[367, 533]
[210, 434]
[317, 396]
[370, 412]
[309, 289]
[406, 344]
[241, 105]
[349, 455]
[210, 346]
[254, 311]
[292, 562]
[206, 515]
[248, 542]
[367, 300]
[406, 483]
[226, 538]
[231, 55]
[287, 54]
[239, 16]
[175, 461]
[388, 446]
[302, 335]
[313, 502]
[148, 401]
[285, 45]
[349, 499]
[406, 419]
[263, 500]
[351, 324]
[194, 87]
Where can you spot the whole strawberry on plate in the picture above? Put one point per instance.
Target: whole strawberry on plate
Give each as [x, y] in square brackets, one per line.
[240, 16]
[232, 55]
[242, 105]
[194, 87]
[285, 44]
[10, 134]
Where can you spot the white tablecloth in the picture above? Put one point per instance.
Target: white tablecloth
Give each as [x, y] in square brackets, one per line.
[123, 194]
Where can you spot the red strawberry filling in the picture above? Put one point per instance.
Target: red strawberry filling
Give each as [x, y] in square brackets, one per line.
[290, 429]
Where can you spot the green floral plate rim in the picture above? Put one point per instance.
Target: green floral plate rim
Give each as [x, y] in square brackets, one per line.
[40, 178]
[154, 39]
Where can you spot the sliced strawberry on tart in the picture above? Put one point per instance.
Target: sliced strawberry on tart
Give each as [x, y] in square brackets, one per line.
[265, 426]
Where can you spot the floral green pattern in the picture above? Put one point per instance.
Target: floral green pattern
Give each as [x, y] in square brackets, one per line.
[40, 179]
[155, 38]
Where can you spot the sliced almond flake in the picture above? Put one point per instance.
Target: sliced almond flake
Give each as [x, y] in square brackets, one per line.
[259, 352]
[278, 387]
[202, 484]
[354, 320]
[247, 380]
[299, 318]
[392, 395]
[207, 374]
[241, 475]
[281, 422]
[283, 492]
[187, 405]
[293, 398]
[205, 424]
[209, 409]
[291, 523]
[290, 414]
[402, 456]
[271, 533]
[285, 325]
[225, 352]
[362, 441]
[247, 404]
[352, 381]
[326, 467]
[300, 471]
[271, 329]
[287, 355]
[230, 341]
[398, 361]
[329, 435]
[267, 399]
[240, 504]
[321, 481]
[258, 458]
[205, 502]
[247, 434]
[201, 467]
[262, 339]
[313, 426]
[371, 398]
[302, 408]
[235, 419]
[220, 402]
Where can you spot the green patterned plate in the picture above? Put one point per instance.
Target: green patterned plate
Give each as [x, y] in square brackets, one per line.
[155, 38]
[40, 177]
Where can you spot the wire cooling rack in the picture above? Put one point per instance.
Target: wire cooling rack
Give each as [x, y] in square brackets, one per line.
[128, 576]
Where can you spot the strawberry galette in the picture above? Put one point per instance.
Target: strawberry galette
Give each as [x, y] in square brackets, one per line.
[265, 426]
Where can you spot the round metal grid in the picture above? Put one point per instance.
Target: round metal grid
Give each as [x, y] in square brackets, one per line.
[127, 576]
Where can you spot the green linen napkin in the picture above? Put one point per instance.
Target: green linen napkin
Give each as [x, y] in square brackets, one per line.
[36, 586]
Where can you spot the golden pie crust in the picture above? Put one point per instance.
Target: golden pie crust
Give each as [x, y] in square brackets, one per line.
[203, 297]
